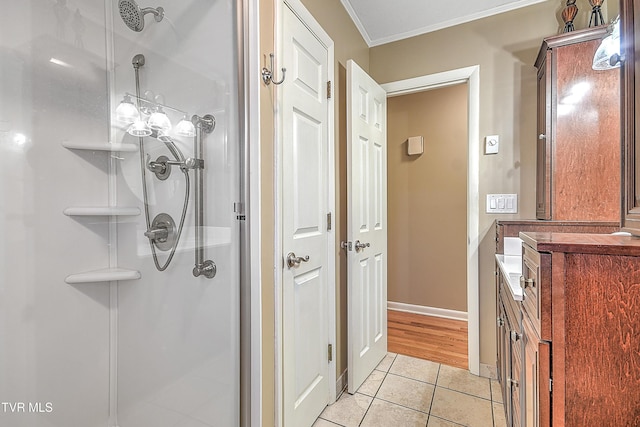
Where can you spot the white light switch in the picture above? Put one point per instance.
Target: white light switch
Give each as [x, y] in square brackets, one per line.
[491, 144]
[502, 203]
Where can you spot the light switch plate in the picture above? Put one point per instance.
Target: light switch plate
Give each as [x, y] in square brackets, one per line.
[502, 203]
[491, 144]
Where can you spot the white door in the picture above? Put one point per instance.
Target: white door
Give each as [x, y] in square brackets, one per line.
[305, 205]
[366, 224]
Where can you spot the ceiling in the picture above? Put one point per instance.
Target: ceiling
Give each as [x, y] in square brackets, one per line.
[384, 21]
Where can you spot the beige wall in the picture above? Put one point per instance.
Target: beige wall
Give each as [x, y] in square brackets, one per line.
[427, 199]
[267, 202]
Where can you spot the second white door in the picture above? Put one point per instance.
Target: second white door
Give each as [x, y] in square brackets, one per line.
[366, 224]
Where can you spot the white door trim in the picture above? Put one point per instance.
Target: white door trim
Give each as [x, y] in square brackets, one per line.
[470, 75]
[309, 21]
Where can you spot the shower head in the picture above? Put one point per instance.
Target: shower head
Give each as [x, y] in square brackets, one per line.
[133, 15]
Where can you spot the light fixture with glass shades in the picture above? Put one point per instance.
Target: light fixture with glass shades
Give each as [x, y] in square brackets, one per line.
[607, 55]
[159, 120]
[150, 116]
[185, 127]
[126, 111]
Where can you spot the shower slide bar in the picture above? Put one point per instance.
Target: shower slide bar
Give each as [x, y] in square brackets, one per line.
[162, 231]
[204, 124]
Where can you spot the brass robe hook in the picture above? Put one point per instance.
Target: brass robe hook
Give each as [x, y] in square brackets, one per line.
[267, 75]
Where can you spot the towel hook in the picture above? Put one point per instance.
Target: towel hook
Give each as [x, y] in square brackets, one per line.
[267, 75]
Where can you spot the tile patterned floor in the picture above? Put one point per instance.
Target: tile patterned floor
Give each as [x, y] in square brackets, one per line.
[407, 392]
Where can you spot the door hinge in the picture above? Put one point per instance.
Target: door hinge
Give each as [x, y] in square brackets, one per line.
[329, 90]
[329, 221]
[550, 384]
[330, 352]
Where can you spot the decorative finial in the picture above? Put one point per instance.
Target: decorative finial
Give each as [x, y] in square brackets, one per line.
[596, 13]
[569, 14]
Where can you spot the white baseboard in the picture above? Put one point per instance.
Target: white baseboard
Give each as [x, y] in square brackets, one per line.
[341, 384]
[429, 311]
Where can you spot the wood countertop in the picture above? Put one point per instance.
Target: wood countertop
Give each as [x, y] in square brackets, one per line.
[603, 244]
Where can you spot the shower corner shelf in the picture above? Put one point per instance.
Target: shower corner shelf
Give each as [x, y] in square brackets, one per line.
[101, 211]
[100, 146]
[104, 275]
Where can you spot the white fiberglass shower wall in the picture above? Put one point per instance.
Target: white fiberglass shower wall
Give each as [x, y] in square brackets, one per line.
[91, 333]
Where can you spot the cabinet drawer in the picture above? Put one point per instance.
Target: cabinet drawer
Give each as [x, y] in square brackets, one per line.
[530, 283]
[536, 290]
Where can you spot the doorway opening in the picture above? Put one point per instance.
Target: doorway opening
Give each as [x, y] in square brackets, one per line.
[470, 76]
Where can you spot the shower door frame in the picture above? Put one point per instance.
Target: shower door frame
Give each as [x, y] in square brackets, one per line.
[248, 16]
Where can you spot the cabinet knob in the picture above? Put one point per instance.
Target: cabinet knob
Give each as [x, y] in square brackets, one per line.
[513, 382]
[515, 337]
[500, 321]
[542, 136]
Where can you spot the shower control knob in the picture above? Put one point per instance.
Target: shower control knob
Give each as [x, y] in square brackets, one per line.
[163, 232]
[157, 234]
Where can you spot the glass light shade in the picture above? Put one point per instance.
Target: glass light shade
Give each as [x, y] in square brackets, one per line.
[185, 128]
[139, 128]
[609, 49]
[126, 111]
[159, 121]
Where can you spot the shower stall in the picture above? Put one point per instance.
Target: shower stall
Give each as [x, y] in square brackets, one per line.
[121, 213]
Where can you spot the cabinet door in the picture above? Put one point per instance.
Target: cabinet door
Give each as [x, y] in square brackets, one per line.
[504, 360]
[536, 387]
[629, 39]
[586, 137]
[515, 381]
[543, 165]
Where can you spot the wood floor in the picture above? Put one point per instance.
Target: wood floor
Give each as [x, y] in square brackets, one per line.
[427, 337]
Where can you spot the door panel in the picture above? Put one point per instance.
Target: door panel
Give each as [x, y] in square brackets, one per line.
[305, 148]
[366, 212]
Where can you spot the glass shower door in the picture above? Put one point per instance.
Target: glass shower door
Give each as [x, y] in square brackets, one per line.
[102, 319]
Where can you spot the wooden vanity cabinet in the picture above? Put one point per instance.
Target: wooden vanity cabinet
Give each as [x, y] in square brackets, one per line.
[510, 350]
[588, 372]
[578, 131]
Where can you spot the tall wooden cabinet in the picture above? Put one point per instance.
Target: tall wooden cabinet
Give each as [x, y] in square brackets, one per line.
[578, 145]
[629, 43]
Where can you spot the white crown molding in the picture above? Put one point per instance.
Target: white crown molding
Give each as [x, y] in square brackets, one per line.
[354, 17]
[434, 27]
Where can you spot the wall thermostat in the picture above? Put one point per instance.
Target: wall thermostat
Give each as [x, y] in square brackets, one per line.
[491, 144]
